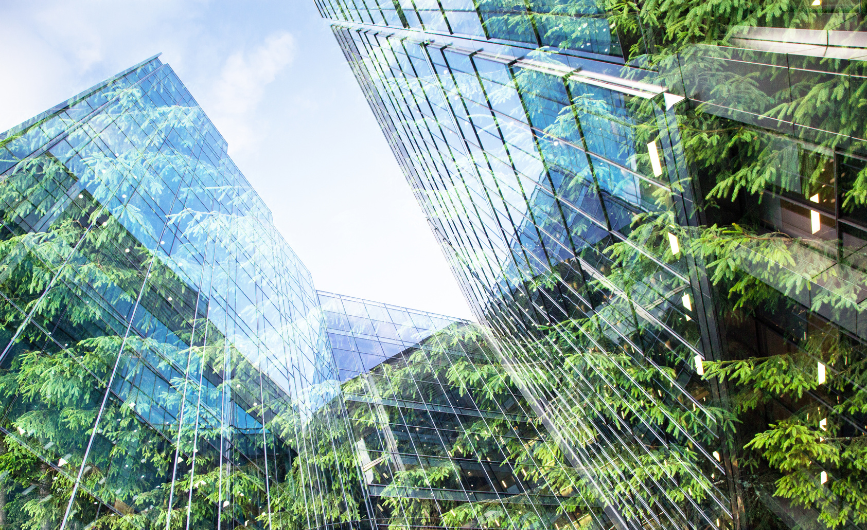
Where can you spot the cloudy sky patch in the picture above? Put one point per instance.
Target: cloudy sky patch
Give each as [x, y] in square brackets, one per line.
[241, 86]
[271, 77]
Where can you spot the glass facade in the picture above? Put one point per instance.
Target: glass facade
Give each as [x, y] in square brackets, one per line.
[581, 27]
[164, 360]
[661, 225]
[443, 436]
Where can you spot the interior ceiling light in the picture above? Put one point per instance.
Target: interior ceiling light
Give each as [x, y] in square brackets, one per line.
[654, 159]
[815, 220]
[675, 245]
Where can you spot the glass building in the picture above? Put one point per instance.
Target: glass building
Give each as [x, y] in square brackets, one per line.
[661, 220]
[164, 360]
[443, 436]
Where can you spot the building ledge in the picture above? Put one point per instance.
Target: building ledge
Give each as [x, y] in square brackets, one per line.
[850, 45]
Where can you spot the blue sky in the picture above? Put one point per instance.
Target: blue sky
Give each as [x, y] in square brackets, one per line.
[273, 80]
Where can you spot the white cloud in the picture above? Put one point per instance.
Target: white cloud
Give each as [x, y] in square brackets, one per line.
[244, 76]
[61, 48]
[241, 85]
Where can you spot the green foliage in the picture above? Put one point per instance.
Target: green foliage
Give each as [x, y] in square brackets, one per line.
[755, 271]
[71, 268]
[460, 358]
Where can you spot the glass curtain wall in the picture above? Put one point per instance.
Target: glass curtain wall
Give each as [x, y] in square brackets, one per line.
[669, 255]
[580, 26]
[163, 360]
[444, 437]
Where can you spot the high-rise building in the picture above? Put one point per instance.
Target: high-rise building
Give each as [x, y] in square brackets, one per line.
[443, 436]
[659, 212]
[163, 351]
[166, 361]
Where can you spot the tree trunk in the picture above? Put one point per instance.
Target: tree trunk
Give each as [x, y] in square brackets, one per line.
[2, 506]
[44, 491]
[2, 487]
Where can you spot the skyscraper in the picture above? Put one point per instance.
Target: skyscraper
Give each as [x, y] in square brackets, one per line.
[163, 349]
[660, 218]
